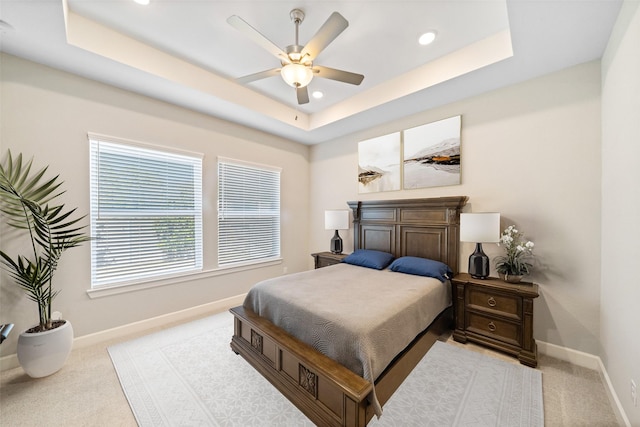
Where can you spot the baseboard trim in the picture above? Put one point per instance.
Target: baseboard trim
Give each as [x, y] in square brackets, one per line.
[588, 361]
[11, 361]
[575, 357]
[613, 396]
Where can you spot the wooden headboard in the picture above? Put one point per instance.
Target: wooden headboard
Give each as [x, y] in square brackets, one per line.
[427, 228]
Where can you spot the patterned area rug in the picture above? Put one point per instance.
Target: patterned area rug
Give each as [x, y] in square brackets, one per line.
[188, 376]
[452, 386]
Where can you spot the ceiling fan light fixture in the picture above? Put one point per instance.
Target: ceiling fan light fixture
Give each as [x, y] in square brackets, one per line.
[296, 75]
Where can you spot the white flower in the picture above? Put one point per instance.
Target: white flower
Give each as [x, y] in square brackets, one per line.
[518, 254]
[507, 239]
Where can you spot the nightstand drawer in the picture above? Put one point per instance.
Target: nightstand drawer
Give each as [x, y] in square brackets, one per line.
[324, 262]
[495, 328]
[487, 300]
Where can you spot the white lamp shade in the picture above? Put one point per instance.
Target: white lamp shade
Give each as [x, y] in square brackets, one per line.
[336, 220]
[481, 227]
[296, 75]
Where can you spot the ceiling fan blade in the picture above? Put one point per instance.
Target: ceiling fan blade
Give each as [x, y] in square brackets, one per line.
[331, 29]
[339, 75]
[303, 95]
[242, 26]
[257, 76]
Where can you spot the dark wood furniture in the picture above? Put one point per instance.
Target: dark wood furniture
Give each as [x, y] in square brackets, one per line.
[324, 259]
[497, 314]
[325, 391]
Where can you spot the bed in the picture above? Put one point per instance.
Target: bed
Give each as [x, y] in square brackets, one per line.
[324, 390]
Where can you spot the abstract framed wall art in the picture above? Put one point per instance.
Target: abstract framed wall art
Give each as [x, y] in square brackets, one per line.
[431, 155]
[379, 164]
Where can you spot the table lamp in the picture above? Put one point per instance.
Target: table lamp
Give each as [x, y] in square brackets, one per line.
[479, 228]
[336, 220]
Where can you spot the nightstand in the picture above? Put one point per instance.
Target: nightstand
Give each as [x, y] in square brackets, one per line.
[496, 314]
[324, 259]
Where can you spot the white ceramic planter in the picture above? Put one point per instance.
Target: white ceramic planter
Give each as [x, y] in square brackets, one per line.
[43, 353]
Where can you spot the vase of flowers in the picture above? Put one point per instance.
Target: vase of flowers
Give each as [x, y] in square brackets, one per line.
[518, 259]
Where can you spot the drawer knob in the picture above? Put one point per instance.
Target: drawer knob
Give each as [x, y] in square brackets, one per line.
[492, 327]
[491, 302]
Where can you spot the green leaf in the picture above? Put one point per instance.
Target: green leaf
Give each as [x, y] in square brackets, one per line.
[27, 202]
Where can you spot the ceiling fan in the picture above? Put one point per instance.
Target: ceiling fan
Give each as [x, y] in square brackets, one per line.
[297, 61]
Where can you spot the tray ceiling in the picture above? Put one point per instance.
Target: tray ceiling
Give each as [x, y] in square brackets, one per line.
[185, 53]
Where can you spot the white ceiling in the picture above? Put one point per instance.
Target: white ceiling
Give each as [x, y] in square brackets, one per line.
[184, 52]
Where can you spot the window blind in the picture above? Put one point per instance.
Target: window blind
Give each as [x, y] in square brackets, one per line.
[146, 212]
[248, 212]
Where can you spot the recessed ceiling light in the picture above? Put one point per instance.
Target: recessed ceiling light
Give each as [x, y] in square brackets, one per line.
[144, 2]
[427, 38]
[317, 94]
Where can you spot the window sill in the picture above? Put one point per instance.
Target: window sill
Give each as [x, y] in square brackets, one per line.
[108, 290]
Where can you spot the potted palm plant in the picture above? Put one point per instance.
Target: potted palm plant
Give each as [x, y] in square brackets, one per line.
[28, 201]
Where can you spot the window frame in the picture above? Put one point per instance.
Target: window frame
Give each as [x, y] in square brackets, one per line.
[220, 211]
[159, 277]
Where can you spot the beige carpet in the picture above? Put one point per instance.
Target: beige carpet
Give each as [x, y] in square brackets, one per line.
[86, 392]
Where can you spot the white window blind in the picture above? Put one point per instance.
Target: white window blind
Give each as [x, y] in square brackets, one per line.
[248, 212]
[146, 212]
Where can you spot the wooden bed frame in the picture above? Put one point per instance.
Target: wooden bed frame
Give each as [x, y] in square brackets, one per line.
[325, 391]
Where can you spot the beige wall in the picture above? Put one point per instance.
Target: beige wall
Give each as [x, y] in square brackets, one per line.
[620, 293]
[531, 152]
[47, 113]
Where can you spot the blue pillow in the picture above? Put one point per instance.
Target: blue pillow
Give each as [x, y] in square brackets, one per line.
[369, 258]
[422, 267]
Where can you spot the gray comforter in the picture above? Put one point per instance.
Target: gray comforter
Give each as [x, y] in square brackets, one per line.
[358, 316]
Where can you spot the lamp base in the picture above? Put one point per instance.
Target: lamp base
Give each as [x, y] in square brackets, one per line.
[336, 244]
[479, 263]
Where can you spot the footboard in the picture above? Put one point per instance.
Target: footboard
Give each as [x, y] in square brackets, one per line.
[325, 391]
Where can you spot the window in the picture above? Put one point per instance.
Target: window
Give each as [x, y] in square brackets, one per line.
[146, 212]
[248, 212]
